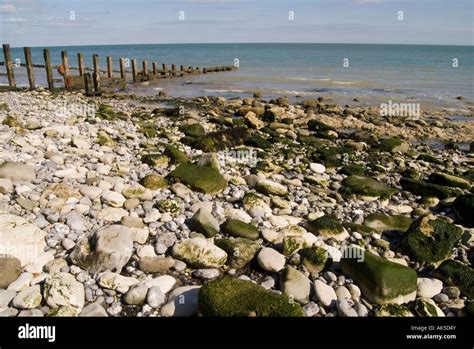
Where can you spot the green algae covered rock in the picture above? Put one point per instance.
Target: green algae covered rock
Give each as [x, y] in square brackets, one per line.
[394, 145]
[315, 258]
[427, 308]
[457, 274]
[381, 222]
[154, 182]
[393, 310]
[229, 296]
[176, 155]
[203, 222]
[200, 178]
[193, 130]
[430, 239]
[328, 226]
[220, 140]
[237, 228]
[449, 180]
[240, 251]
[365, 187]
[464, 208]
[381, 281]
[422, 188]
[199, 253]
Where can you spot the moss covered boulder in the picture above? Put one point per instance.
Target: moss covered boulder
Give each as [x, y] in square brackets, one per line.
[154, 182]
[457, 274]
[315, 258]
[258, 142]
[328, 226]
[365, 187]
[176, 156]
[200, 178]
[220, 140]
[237, 228]
[292, 244]
[430, 239]
[228, 297]
[193, 130]
[266, 186]
[394, 145]
[105, 140]
[240, 251]
[199, 253]
[449, 180]
[381, 222]
[423, 188]
[381, 281]
[155, 160]
[392, 310]
[464, 208]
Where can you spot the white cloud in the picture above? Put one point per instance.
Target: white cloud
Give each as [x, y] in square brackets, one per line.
[7, 8]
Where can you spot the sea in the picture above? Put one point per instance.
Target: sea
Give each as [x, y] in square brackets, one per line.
[426, 74]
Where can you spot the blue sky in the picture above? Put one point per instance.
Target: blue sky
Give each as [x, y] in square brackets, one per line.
[48, 22]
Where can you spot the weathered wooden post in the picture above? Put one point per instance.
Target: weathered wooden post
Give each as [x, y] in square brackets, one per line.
[9, 65]
[204, 71]
[122, 68]
[97, 85]
[65, 70]
[173, 69]
[87, 84]
[165, 69]
[47, 66]
[155, 69]
[80, 63]
[134, 70]
[109, 66]
[145, 70]
[29, 67]
[95, 60]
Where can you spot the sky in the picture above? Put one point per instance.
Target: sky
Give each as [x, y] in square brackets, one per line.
[98, 22]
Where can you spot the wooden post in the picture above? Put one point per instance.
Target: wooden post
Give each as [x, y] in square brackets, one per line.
[204, 70]
[165, 69]
[109, 66]
[122, 68]
[145, 70]
[134, 70]
[29, 67]
[49, 71]
[97, 86]
[95, 60]
[65, 60]
[173, 69]
[80, 63]
[181, 69]
[9, 65]
[87, 84]
[155, 68]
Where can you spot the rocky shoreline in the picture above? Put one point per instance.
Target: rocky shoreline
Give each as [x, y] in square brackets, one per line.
[141, 206]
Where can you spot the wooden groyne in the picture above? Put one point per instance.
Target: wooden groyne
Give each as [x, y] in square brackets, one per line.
[94, 79]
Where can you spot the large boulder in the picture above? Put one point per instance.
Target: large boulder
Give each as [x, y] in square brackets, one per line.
[458, 274]
[464, 207]
[328, 226]
[365, 187]
[110, 248]
[295, 285]
[200, 178]
[422, 188]
[199, 253]
[20, 239]
[229, 296]
[381, 281]
[203, 222]
[449, 180]
[430, 239]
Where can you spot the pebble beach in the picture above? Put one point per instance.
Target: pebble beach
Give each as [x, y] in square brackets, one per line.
[154, 206]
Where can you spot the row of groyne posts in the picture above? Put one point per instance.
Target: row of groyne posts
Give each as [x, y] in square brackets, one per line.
[94, 79]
